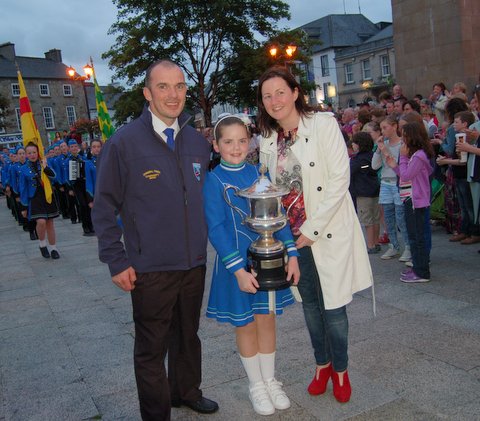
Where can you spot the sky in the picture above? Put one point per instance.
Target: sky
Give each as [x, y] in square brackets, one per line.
[80, 28]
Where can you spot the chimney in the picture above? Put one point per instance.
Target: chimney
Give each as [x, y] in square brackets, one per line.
[7, 50]
[54, 55]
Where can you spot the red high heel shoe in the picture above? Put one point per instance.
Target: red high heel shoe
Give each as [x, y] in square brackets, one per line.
[342, 393]
[318, 386]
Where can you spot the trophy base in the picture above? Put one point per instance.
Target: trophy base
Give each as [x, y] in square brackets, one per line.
[270, 269]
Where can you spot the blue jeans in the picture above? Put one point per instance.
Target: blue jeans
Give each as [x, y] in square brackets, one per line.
[328, 329]
[416, 233]
[394, 216]
[465, 202]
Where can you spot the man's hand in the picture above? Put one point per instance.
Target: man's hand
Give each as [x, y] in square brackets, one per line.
[126, 279]
[24, 213]
[71, 193]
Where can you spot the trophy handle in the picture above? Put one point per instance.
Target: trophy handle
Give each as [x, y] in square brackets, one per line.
[300, 191]
[229, 203]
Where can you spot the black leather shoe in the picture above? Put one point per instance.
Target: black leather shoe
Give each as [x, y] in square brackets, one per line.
[202, 406]
[54, 254]
[33, 236]
[45, 252]
[88, 234]
[74, 222]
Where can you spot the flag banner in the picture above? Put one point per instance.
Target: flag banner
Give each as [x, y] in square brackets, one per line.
[31, 134]
[104, 121]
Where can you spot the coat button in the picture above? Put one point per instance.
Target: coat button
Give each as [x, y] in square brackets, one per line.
[312, 164]
[315, 232]
[329, 235]
[306, 140]
[319, 188]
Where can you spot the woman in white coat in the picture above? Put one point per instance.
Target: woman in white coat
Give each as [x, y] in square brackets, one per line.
[306, 151]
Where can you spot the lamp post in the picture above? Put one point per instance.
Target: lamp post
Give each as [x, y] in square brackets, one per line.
[72, 74]
[287, 52]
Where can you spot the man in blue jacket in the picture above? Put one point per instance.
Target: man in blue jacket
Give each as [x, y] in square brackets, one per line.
[151, 172]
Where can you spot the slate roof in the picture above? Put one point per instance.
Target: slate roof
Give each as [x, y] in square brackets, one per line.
[337, 31]
[33, 67]
[384, 33]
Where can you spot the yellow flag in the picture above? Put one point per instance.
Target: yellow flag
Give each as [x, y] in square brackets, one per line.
[30, 133]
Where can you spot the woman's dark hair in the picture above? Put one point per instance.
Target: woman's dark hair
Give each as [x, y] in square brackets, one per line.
[364, 141]
[364, 117]
[414, 104]
[454, 106]
[228, 121]
[265, 122]
[415, 138]
[374, 125]
[441, 85]
[31, 144]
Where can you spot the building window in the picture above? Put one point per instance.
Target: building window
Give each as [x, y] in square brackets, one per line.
[15, 90]
[71, 115]
[44, 90]
[385, 65]
[67, 90]
[349, 73]
[324, 64]
[48, 118]
[19, 121]
[367, 73]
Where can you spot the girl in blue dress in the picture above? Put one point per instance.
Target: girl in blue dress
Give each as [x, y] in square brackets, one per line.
[233, 295]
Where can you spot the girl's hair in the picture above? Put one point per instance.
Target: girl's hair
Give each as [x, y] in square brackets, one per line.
[228, 120]
[415, 117]
[454, 106]
[415, 138]
[364, 141]
[266, 123]
[374, 125]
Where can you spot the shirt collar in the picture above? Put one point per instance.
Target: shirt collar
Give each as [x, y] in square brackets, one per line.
[159, 126]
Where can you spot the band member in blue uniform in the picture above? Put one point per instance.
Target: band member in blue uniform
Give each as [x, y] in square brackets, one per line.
[36, 207]
[91, 170]
[76, 186]
[233, 296]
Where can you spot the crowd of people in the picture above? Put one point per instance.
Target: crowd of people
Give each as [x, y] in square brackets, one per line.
[370, 166]
[390, 143]
[40, 189]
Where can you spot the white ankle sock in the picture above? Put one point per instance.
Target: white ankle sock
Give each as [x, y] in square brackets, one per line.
[53, 247]
[252, 368]
[43, 243]
[267, 365]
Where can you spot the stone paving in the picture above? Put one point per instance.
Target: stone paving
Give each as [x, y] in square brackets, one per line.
[66, 341]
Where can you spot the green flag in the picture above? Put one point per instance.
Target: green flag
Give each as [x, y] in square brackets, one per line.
[104, 121]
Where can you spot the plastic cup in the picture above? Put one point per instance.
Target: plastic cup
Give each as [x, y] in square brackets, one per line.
[461, 138]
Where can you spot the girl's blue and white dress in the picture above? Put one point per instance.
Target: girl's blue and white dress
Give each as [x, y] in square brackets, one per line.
[231, 239]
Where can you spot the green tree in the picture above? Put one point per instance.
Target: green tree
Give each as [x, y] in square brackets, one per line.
[201, 36]
[243, 69]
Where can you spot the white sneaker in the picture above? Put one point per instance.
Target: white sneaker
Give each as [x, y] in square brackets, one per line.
[277, 395]
[260, 399]
[406, 255]
[409, 263]
[390, 253]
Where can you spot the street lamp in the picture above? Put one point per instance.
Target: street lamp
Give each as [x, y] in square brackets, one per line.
[289, 52]
[72, 74]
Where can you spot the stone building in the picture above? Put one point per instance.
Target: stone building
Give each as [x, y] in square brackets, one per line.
[366, 69]
[436, 41]
[56, 100]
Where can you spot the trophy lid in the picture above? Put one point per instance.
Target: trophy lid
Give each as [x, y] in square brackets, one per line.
[263, 187]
